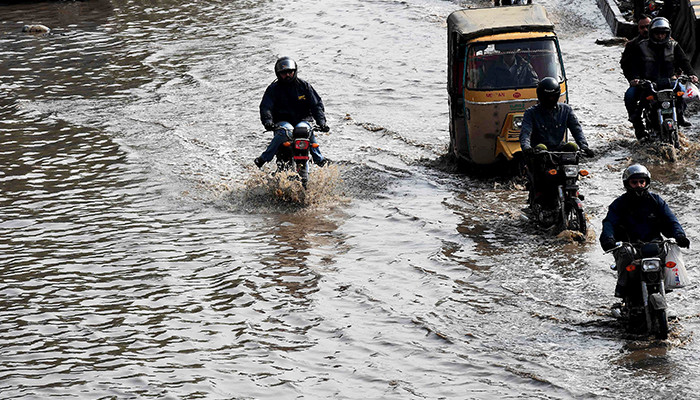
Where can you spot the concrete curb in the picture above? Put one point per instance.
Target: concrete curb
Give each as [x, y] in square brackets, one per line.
[620, 27]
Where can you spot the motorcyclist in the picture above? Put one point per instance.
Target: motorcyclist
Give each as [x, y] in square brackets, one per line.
[660, 58]
[627, 63]
[545, 124]
[289, 102]
[638, 215]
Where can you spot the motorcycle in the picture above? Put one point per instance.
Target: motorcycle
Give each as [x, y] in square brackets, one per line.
[658, 109]
[294, 153]
[644, 298]
[556, 201]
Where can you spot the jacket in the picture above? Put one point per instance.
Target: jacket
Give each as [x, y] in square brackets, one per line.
[548, 126]
[655, 62]
[632, 218]
[291, 102]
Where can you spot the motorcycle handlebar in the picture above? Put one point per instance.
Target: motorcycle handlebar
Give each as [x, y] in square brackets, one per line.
[619, 245]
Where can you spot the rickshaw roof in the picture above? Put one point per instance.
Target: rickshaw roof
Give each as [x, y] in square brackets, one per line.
[474, 22]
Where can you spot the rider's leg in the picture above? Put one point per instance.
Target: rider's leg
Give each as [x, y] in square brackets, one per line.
[633, 111]
[281, 135]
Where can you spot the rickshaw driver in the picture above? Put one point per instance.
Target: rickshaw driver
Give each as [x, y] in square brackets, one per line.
[511, 70]
[545, 123]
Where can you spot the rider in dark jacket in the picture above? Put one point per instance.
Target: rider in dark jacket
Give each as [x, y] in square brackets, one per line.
[289, 102]
[546, 122]
[658, 59]
[628, 63]
[638, 216]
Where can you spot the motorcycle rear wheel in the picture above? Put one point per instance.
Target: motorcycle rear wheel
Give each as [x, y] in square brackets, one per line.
[303, 171]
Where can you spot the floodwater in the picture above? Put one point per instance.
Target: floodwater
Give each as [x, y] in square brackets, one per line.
[143, 256]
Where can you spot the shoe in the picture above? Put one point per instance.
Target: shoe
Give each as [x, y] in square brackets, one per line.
[259, 162]
[324, 162]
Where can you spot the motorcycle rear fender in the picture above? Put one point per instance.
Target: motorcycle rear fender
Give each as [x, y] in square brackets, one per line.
[657, 301]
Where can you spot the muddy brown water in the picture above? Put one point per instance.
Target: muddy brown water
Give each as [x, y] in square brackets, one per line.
[143, 256]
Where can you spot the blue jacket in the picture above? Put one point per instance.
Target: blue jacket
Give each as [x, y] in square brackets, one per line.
[632, 218]
[548, 126]
[291, 102]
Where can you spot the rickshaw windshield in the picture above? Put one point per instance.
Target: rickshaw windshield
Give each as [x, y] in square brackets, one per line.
[512, 64]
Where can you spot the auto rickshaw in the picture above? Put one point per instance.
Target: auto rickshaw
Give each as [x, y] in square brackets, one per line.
[496, 57]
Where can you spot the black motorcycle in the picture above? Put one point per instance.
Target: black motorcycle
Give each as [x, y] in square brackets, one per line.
[643, 305]
[294, 154]
[555, 200]
[658, 105]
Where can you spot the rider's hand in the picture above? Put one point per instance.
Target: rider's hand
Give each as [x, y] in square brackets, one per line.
[528, 150]
[270, 126]
[607, 244]
[693, 78]
[587, 151]
[324, 128]
[683, 241]
[634, 82]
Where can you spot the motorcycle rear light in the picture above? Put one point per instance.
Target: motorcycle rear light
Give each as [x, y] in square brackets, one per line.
[670, 264]
[650, 98]
[552, 172]
[301, 144]
[583, 172]
[287, 144]
[630, 268]
[666, 105]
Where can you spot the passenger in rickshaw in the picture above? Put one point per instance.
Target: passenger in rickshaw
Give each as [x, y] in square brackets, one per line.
[544, 126]
[511, 70]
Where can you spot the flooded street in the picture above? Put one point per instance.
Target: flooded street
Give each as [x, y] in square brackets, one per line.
[144, 255]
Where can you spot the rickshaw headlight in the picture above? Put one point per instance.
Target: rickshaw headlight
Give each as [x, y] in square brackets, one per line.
[666, 105]
[650, 265]
[517, 123]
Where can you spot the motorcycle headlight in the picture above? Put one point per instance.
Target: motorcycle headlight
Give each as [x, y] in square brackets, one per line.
[665, 105]
[517, 123]
[571, 171]
[651, 264]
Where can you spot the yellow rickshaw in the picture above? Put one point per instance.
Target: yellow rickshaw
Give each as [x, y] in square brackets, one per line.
[496, 57]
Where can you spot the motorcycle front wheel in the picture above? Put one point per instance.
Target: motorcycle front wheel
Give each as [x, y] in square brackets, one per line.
[575, 219]
[661, 324]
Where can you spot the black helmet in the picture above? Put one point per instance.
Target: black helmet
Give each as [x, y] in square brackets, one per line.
[658, 25]
[548, 92]
[636, 171]
[285, 64]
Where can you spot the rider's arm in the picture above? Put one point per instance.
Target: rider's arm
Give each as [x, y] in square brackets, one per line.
[671, 227]
[575, 129]
[526, 128]
[316, 106]
[266, 106]
[681, 61]
[611, 220]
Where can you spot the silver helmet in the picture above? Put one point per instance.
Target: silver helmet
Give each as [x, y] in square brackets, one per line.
[285, 64]
[636, 171]
[659, 25]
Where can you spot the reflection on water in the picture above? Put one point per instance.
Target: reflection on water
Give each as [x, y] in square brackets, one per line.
[143, 255]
